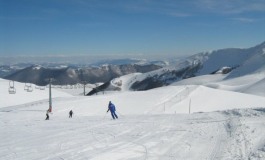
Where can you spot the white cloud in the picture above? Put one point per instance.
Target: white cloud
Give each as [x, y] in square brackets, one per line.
[194, 7]
[231, 6]
[244, 20]
[166, 7]
[177, 14]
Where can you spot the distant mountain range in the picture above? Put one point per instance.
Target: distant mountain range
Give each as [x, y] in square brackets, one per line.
[150, 74]
[39, 75]
[7, 69]
[237, 62]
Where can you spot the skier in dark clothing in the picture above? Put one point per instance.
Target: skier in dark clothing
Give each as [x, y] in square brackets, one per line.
[112, 110]
[47, 116]
[71, 114]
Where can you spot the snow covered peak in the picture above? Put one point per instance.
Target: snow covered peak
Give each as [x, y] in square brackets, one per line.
[37, 67]
[236, 62]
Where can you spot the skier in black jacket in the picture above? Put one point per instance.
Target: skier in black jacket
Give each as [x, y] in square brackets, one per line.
[47, 115]
[71, 114]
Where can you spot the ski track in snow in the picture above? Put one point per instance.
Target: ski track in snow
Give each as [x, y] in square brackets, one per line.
[147, 137]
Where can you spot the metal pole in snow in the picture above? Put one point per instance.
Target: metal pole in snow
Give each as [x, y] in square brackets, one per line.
[50, 80]
[84, 83]
[50, 95]
[84, 88]
[189, 106]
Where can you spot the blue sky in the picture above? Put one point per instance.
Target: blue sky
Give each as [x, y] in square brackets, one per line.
[127, 27]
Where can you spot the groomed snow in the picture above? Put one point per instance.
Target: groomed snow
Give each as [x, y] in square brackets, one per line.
[152, 125]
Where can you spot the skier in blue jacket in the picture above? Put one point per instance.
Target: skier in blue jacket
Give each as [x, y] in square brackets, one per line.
[112, 110]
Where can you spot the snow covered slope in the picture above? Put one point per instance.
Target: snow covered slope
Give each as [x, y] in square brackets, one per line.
[236, 134]
[251, 84]
[227, 119]
[239, 62]
[151, 125]
[170, 99]
[247, 60]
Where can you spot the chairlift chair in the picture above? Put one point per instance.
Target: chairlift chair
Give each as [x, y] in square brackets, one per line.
[30, 89]
[26, 87]
[11, 89]
[75, 86]
[42, 87]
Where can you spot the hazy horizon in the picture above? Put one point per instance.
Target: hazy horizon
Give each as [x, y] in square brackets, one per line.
[79, 59]
[92, 59]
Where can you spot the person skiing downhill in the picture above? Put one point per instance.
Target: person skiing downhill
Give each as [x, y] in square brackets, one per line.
[47, 115]
[112, 110]
[71, 114]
